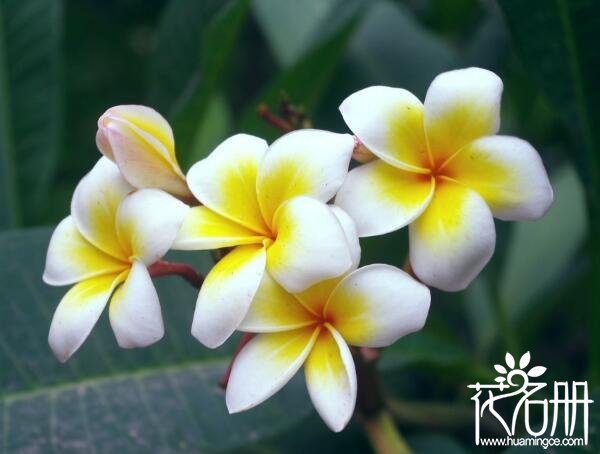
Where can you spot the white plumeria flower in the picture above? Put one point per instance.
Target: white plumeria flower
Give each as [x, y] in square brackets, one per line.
[270, 203]
[442, 170]
[105, 247]
[140, 141]
[370, 307]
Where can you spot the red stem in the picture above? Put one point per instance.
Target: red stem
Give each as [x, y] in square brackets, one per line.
[264, 112]
[243, 341]
[164, 268]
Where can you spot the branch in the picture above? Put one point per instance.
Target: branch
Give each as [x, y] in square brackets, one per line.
[264, 112]
[295, 116]
[383, 435]
[371, 410]
[164, 268]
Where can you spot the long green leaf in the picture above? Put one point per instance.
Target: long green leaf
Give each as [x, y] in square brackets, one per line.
[290, 27]
[163, 398]
[406, 55]
[554, 39]
[531, 268]
[215, 126]
[174, 66]
[218, 41]
[30, 111]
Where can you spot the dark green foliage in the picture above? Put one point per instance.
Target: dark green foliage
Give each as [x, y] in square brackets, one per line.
[206, 65]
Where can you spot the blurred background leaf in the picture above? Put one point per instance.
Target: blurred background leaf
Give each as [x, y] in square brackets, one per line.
[207, 65]
[553, 39]
[175, 64]
[290, 27]
[30, 106]
[531, 267]
[307, 80]
[106, 399]
[218, 41]
[393, 48]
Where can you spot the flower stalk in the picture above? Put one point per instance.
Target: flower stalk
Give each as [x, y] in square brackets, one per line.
[376, 421]
[279, 123]
[164, 268]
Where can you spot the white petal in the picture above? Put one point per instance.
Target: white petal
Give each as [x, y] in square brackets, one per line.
[381, 198]
[349, 228]
[78, 312]
[376, 305]
[389, 122]
[453, 239]
[205, 229]
[307, 162]
[265, 365]
[226, 294]
[95, 203]
[461, 106]
[104, 145]
[134, 310]
[508, 173]
[226, 180]
[71, 258]
[310, 245]
[331, 379]
[148, 222]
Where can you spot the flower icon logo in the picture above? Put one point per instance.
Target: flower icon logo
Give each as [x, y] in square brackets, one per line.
[508, 371]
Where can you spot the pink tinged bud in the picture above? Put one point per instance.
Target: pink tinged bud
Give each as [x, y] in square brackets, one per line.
[104, 145]
[140, 141]
[360, 153]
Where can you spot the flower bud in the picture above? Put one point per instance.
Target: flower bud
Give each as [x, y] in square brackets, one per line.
[140, 141]
[361, 153]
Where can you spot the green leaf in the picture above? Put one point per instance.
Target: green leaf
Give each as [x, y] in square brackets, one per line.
[290, 27]
[539, 253]
[30, 111]
[433, 442]
[163, 398]
[481, 317]
[215, 126]
[305, 82]
[392, 48]
[423, 348]
[218, 41]
[593, 423]
[556, 40]
[174, 66]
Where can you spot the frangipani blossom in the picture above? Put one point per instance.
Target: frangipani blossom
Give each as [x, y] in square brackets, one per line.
[270, 203]
[104, 247]
[369, 307]
[140, 141]
[441, 169]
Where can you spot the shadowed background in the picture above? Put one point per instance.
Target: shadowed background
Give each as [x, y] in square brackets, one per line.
[206, 66]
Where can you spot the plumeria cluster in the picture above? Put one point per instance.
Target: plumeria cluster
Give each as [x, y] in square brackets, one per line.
[289, 215]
